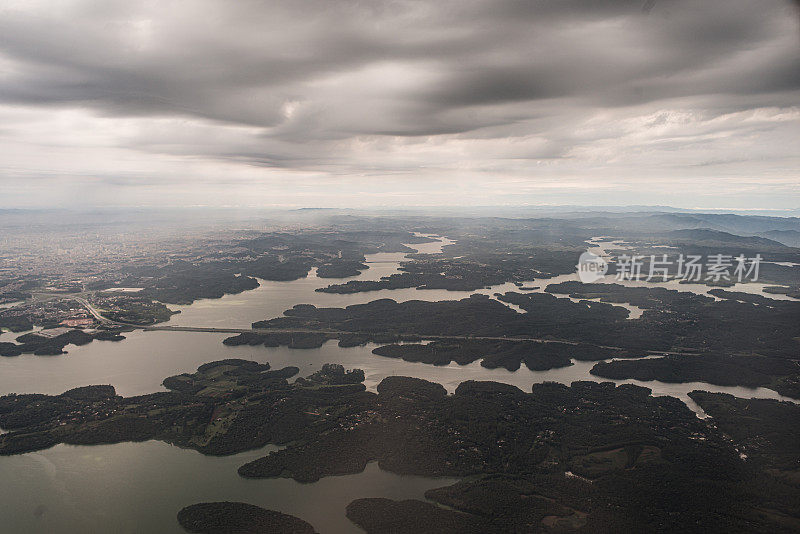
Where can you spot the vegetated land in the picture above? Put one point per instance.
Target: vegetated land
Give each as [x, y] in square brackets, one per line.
[720, 369]
[183, 283]
[41, 345]
[640, 463]
[339, 268]
[137, 310]
[746, 340]
[239, 518]
[537, 356]
[53, 310]
[738, 361]
[49, 314]
[467, 273]
[707, 243]
[474, 316]
[488, 250]
[791, 290]
[190, 272]
[765, 431]
[11, 296]
[384, 516]
[272, 256]
[641, 297]
[725, 325]
[590, 457]
[297, 340]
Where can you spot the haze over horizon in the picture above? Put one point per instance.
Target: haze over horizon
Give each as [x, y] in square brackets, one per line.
[344, 104]
[407, 266]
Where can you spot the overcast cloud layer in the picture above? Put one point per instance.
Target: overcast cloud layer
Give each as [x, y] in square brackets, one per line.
[345, 102]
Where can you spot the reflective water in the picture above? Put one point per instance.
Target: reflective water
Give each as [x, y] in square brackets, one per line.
[133, 488]
[600, 247]
[140, 487]
[139, 364]
[9, 337]
[271, 299]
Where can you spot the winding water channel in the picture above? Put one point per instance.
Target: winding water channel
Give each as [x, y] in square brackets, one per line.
[139, 487]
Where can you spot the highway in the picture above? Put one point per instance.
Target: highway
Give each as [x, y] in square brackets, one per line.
[164, 328]
[96, 314]
[338, 332]
[334, 333]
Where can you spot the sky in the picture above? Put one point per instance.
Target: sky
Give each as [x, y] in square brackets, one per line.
[357, 103]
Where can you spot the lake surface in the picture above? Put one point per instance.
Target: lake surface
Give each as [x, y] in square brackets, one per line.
[133, 488]
[600, 247]
[139, 487]
[270, 299]
[138, 364]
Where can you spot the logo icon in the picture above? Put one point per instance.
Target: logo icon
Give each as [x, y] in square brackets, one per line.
[591, 267]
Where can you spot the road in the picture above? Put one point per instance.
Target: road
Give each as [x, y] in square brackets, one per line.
[96, 314]
[401, 335]
[338, 332]
[106, 321]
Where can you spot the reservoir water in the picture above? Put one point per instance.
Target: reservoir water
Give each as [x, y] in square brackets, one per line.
[139, 487]
[133, 488]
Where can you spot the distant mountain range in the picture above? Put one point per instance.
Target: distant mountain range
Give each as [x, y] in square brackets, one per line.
[703, 236]
[790, 238]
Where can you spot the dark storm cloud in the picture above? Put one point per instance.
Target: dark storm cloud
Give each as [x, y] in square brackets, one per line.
[308, 84]
[239, 61]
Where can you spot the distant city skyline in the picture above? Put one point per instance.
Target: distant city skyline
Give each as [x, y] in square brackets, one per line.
[401, 103]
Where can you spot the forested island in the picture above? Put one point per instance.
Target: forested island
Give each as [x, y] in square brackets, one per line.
[536, 355]
[469, 272]
[742, 339]
[239, 518]
[593, 457]
[53, 343]
[588, 457]
[721, 369]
